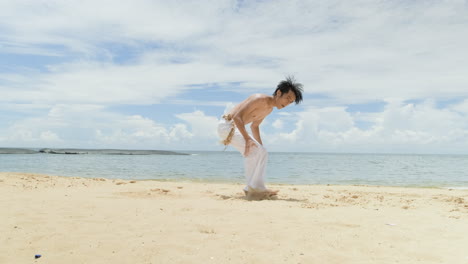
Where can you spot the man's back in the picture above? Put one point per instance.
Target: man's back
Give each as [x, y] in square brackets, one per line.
[255, 108]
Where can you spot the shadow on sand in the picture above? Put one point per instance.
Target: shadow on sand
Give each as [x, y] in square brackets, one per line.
[258, 197]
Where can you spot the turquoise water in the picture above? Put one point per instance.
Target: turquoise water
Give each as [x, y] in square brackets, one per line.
[288, 168]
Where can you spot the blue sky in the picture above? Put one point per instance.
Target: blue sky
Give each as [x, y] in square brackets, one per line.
[379, 76]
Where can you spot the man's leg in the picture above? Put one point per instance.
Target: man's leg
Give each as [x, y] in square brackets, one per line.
[254, 164]
[255, 168]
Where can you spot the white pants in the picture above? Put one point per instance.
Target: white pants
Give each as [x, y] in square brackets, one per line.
[254, 163]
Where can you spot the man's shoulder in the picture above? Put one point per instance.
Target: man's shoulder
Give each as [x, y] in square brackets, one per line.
[259, 96]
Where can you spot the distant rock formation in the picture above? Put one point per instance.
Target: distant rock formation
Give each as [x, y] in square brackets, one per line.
[17, 151]
[88, 151]
[110, 152]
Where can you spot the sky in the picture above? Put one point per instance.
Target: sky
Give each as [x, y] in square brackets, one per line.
[378, 76]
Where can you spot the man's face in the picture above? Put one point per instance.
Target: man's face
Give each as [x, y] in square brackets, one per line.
[285, 99]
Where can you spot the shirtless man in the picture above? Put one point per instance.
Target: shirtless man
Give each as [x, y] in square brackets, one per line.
[231, 129]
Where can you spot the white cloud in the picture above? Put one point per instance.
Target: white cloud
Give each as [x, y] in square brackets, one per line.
[104, 53]
[20, 135]
[202, 126]
[278, 124]
[80, 25]
[180, 133]
[334, 119]
[461, 107]
[92, 126]
[351, 51]
[49, 136]
[96, 83]
[228, 107]
[401, 127]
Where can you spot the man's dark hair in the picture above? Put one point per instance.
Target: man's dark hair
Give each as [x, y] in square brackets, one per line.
[288, 85]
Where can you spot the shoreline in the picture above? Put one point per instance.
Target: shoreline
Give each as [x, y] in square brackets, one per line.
[234, 183]
[241, 181]
[97, 220]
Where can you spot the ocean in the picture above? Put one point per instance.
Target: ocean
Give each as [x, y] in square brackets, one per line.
[442, 171]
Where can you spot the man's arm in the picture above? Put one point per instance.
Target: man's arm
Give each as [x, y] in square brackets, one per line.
[239, 122]
[255, 127]
[241, 127]
[244, 108]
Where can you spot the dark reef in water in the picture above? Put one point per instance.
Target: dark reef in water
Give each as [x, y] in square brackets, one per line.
[17, 151]
[88, 151]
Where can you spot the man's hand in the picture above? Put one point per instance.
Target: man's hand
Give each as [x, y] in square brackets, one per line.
[249, 144]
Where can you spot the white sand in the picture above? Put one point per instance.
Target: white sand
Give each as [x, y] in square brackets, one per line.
[76, 220]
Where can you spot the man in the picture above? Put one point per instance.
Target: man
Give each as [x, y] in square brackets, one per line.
[231, 129]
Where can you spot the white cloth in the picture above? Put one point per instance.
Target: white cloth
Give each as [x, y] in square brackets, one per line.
[254, 164]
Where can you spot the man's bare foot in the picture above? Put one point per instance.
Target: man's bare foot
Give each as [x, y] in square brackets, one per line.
[271, 192]
[253, 194]
[267, 191]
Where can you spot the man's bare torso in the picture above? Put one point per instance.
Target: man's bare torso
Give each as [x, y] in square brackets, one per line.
[253, 109]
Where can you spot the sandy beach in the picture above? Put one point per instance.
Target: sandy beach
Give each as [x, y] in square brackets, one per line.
[84, 220]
